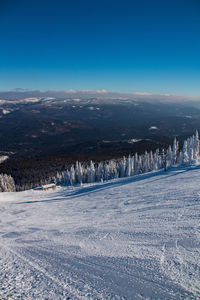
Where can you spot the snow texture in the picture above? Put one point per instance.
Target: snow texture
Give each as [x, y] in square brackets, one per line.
[131, 238]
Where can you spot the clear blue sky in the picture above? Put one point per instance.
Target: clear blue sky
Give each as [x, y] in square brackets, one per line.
[128, 45]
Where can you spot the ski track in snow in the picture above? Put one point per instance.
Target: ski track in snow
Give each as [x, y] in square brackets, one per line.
[131, 238]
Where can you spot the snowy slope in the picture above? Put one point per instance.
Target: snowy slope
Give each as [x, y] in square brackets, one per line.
[132, 238]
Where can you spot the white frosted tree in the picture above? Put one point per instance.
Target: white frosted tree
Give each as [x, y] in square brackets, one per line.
[151, 161]
[136, 164]
[76, 172]
[190, 155]
[132, 165]
[196, 146]
[72, 175]
[7, 183]
[169, 157]
[66, 177]
[146, 162]
[112, 167]
[160, 162]
[106, 172]
[123, 167]
[91, 172]
[185, 152]
[128, 166]
[139, 165]
[100, 172]
[175, 152]
[80, 173]
[155, 161]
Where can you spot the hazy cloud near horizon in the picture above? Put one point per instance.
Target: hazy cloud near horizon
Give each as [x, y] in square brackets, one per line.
[101, 93]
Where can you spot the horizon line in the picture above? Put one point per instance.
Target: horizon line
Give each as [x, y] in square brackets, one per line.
[98, 91]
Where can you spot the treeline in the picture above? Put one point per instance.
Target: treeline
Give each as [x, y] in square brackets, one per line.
[131, 165]
[79, 173]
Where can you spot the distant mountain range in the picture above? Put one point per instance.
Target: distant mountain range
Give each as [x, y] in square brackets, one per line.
[20, 94]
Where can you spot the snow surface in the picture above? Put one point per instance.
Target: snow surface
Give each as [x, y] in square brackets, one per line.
[131, 238]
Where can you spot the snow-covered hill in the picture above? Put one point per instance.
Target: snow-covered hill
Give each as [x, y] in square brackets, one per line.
[131, 238]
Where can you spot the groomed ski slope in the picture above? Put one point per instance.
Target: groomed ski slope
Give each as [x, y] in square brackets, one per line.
[132, 238]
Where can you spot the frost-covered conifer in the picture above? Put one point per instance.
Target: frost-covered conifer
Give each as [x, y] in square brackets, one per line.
[151, 161]
[139, 165]
[128, 166]
[175, 152]
[123, 167]
[91, 172]
[185, 152]
[146, 162]
[112, 168]
[132, 165]
[160, 162]
[155, 161]
[196, 146]
[7, 183]
[100, 172]
[190, 155]
[80, 173]
[76, 172]
[136, 164]
[66, 177]
[106, 172]
[169, 157]
[72, 175]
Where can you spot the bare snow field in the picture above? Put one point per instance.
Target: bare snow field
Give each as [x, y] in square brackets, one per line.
[132, 238]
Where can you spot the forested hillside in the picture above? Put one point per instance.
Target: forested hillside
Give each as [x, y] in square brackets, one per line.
[112, 169]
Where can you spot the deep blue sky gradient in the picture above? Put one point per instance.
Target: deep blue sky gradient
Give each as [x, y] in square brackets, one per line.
[129, 45]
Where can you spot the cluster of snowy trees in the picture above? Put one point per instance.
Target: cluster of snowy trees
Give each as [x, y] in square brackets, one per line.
[132, 165]
[116, 168]
[7, 183]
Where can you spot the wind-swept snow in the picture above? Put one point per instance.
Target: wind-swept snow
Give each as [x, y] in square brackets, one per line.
[131, 238]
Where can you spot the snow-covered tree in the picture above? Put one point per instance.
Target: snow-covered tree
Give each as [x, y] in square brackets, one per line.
[7, 183]
[175, 152]
[185, 152]
[100, 172]
[190, 155]
[132, 165]
[123, 167]
[106, 172]
[169, 157]
[155, 161]
[136, 164]
[72, 175]
[91, 172]
[196, 146]
[128, 166]
[139, 165]
[151, 161]
[146, 162]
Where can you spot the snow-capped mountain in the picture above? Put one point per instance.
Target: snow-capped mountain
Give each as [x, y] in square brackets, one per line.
[128, 238]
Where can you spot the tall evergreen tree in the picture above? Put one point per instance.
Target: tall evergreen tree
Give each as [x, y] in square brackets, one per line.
[185, 152]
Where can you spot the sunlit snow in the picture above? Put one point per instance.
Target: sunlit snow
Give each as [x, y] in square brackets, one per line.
[131, 238]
